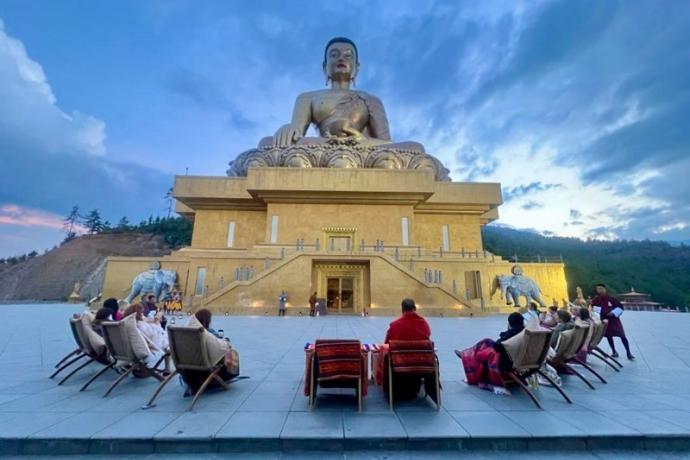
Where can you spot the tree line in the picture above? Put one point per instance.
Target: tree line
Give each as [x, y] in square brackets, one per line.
[176, 231]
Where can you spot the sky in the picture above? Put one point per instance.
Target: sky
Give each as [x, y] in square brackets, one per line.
[580, 109]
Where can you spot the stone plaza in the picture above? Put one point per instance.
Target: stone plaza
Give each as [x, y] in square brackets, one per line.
[643, 409]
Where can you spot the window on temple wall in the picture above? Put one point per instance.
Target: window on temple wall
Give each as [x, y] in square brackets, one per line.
[274, 229]
[473, 284]
[231, 234]
[405, 231]
[200, 281]
[445, 238]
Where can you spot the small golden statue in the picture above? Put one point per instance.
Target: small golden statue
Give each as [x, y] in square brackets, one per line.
[580, 298]
[75, 297]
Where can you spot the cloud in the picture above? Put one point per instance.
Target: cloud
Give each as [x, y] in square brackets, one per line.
[531, 205]
[52, 160]
[511, 193]
[28, 102]
[575, 214]
[16, 215]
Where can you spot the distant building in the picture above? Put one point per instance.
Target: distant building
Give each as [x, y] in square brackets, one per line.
[639, 301]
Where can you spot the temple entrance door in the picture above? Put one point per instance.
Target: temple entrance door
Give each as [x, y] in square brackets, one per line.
[340, 294]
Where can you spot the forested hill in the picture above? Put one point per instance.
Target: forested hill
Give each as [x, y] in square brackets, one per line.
[653, 267]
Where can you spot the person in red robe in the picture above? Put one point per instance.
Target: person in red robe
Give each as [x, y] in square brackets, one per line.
[615, 327]
[410, 326]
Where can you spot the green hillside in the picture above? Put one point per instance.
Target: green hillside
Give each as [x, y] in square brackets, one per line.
[653, 267]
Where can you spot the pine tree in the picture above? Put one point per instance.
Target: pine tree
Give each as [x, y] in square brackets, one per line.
[123, 225]
[169, 200]
[32, 254]
[70, 222]
[93, 222]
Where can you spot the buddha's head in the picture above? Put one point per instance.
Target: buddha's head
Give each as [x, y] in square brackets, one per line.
[340, 59]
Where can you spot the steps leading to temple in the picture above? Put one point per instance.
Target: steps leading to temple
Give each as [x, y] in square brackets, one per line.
[231, 297]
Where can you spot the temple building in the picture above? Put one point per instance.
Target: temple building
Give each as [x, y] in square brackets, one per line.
[350, 215]
[639, 301]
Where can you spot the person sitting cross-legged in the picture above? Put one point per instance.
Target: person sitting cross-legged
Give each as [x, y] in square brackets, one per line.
[410, 326]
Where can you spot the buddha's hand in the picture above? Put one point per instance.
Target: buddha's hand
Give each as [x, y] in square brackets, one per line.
[353, 133]
[286, 135]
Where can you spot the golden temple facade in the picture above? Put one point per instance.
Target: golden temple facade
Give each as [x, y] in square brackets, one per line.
[362, 239]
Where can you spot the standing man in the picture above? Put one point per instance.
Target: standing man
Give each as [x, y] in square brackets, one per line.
[611, 309]
[282, 301]
[312, 304]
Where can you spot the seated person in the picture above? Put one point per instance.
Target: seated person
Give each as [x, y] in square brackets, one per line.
[531, 312]
[231, 368]
[410, 326]
[102, 314]
[485, 362]
[155, 336]
[549, 319]
[565, 322]
[151, 310]
[114, 307]
[585, 318]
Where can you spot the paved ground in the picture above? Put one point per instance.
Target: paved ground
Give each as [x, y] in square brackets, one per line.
[646, 403]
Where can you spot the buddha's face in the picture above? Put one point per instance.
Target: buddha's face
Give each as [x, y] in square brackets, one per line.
[341, 62]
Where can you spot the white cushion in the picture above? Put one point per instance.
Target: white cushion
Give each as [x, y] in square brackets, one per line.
[96, 344]
[215, 347]
[135, 338]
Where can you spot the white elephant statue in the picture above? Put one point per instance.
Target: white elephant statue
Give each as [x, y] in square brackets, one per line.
[155, 281]
[515, 286]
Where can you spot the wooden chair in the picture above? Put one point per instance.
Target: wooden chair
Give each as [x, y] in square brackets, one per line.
[76, 354]
[189, 353]
[336, 364]
[528, 351]
[413, 358]
[594, 350]
[569, 343]
[89, 349]
[118, 342]
[592, 328]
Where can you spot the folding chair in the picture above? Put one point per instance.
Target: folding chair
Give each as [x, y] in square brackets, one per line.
[92, 348]
[413, 358]
[336, 364]
[190, 353]
[594, 350]
[78, 353]
[528, 351]
[569, 343]
[593, 328]
[118, 341]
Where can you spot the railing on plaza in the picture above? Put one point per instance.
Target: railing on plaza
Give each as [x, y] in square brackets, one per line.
[408, 252]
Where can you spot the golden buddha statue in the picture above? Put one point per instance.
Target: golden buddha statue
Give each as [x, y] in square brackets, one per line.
[339, 113]
[352, 125]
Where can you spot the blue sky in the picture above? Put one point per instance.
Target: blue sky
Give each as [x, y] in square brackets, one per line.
[581, 109]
